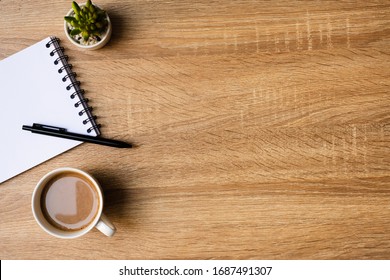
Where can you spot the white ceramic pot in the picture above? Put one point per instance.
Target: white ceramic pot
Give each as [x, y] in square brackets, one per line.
[104, 40]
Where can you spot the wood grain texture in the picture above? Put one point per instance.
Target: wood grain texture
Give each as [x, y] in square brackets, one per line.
[262, 131]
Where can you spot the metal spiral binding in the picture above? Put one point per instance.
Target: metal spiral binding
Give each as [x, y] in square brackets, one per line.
[61, 58]
[71, 77]
[86, 109]
[76, 93]
[68, 66]
[60, 50]
[81, 101]
[67, 76]
[88, 120]
[73, 84]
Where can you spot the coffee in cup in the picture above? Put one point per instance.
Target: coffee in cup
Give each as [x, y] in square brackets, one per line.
[68, 203]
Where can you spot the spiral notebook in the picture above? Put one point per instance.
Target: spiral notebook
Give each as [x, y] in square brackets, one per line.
[37, 85]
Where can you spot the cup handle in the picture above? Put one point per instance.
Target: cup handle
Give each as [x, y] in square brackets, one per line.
[105, 226]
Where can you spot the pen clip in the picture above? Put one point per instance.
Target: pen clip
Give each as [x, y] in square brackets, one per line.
[48, 127]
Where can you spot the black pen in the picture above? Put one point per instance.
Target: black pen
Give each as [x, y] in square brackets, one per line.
[63, 133]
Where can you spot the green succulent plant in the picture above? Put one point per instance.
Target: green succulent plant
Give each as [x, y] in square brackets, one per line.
[88, 20]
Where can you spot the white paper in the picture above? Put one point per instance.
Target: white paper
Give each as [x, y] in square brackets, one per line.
[32, 91]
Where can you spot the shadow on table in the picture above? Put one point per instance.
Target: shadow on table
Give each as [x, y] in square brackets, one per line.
[120, 198]
[122, 26]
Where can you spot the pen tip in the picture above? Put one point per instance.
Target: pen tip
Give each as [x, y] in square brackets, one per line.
[127, 145]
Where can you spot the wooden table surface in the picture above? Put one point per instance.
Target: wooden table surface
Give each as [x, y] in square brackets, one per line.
[262, 130]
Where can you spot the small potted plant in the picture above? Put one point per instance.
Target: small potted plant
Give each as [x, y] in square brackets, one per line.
[87, 26]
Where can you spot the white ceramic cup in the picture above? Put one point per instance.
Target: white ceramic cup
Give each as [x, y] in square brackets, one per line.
[101, 222]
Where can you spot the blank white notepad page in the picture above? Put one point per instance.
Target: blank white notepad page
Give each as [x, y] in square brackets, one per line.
[32, 91]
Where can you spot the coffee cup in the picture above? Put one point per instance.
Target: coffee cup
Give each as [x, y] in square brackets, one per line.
[68, 203]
